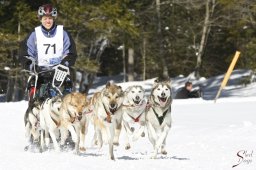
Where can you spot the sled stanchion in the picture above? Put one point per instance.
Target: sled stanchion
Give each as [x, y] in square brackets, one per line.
[60, 74]
[36, 78]
[227, 75]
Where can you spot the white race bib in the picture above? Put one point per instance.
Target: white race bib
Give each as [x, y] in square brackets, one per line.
[50, 50]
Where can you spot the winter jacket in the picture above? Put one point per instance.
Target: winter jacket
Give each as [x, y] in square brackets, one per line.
[183, 93]
[28, 47]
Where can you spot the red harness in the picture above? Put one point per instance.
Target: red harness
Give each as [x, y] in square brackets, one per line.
[135, 119]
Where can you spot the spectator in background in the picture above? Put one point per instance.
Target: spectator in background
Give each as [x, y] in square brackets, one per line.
[187, 92]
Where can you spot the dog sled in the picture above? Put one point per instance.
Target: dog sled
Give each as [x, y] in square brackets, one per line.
[52, 86]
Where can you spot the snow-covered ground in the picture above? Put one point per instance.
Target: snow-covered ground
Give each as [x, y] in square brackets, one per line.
[204, 136]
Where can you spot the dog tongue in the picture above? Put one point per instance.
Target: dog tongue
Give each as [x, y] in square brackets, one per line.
[162, 101]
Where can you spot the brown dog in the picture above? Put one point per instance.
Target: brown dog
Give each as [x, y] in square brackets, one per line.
[107, 115]
[73, 118]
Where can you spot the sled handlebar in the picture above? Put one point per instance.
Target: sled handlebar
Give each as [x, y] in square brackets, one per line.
[60, 72]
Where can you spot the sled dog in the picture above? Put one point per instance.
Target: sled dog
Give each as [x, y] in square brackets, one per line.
[158, 115]
[73, 119]
[50, 121]
[133, 108]
[107, 115]
[31, 120]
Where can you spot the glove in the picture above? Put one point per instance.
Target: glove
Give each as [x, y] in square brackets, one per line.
[65, 63]
[68, 61]
[27, 62]
[37, 68]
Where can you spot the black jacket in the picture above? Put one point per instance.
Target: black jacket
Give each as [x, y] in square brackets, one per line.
[183, 93]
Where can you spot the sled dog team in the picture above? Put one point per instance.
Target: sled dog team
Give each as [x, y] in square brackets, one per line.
[109, 110]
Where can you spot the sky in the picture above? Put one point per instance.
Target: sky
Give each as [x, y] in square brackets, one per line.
[204, 136]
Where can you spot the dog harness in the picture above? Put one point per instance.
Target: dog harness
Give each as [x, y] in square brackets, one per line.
[160, 118]
[135, 119]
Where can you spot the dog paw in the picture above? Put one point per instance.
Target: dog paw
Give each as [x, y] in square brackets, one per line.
[112, 158]
[26, 148]
[142, 134]
[116, 143]
[82, 149]
[127, 147]
[164, 152]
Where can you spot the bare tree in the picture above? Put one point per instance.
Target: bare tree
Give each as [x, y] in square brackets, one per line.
[160, 39]
[209, 10]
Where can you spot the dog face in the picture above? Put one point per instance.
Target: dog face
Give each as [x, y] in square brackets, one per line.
[112, 97]
[135, 94]
[56, 104]
[161, 92]
[77, 104]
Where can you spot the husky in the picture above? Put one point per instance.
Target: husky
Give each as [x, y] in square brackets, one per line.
[107, 115]
[133, 108]
[32, 123]
[158, 115]
[50, 121]
[73, 119]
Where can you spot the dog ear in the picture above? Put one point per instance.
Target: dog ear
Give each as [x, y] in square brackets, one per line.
[169, 82]
[156, 81]
[108, 84]
[121, 91]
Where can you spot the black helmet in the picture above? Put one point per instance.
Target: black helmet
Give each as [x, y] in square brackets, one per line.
[47, 10]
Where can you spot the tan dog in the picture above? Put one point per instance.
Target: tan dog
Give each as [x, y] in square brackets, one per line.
[107, 115]
[73, 118]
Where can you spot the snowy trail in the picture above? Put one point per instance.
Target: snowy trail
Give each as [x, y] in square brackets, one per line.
[204, 136]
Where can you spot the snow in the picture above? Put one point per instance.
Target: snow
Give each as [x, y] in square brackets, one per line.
[204, 136]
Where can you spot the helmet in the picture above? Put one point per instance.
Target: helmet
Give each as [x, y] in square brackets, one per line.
[47, 10]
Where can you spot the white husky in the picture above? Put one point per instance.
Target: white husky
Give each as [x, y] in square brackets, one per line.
[134, 112]
[108, 115]
[158, 115]
[50, 121]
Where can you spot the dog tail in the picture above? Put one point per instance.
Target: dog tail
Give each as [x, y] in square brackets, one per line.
[26, 115]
